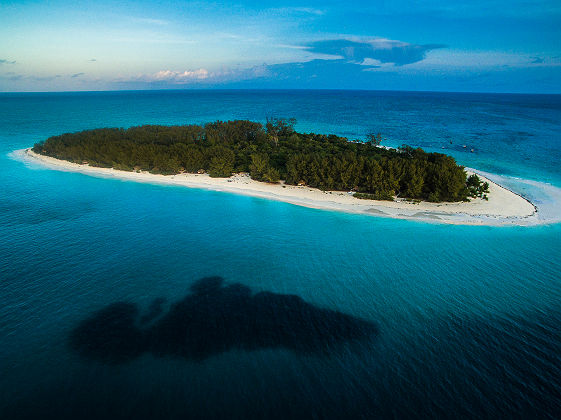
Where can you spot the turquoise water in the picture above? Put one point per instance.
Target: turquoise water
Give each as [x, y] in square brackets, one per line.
[392, 318]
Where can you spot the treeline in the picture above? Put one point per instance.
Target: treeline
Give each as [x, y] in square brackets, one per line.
[269, 152]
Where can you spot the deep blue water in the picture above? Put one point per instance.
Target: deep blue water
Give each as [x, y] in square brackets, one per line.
[318, 314]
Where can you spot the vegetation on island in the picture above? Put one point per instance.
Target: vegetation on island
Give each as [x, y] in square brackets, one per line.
[269, 153]
[476, 188]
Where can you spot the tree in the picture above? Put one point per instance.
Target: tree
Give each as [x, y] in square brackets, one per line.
[221, 162]
[373, 139]
[259, 165]
[277, 127]
[272, 175]
[270, 153]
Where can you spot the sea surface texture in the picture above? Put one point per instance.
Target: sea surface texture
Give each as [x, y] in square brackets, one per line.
[128, 300]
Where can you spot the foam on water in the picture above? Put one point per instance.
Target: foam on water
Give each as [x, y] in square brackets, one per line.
[545, 196]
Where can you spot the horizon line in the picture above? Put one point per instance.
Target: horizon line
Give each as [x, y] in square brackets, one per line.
[210, 89]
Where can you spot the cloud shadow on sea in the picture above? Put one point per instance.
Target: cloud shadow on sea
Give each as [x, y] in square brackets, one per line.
[215, 318]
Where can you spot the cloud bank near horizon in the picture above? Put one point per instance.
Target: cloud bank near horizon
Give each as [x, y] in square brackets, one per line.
[383, 50]
[341, 53]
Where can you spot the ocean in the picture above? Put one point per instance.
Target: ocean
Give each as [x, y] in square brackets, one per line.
[128, 300]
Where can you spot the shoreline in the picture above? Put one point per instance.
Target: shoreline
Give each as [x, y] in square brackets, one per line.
[504, 208]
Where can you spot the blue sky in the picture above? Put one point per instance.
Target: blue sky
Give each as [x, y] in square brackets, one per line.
[483, 46]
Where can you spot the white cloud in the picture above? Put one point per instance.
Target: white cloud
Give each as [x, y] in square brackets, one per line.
[292, 47]
[199, 76]
[385, 43]
[181, 77]
[283, 11]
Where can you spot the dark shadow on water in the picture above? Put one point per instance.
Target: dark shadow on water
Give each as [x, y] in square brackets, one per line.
[154, 311]
[213, 319]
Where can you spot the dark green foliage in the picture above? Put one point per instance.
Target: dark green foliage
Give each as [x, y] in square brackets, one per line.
[378, 196]
[374, 139]
[222, 161]
[477, 188]
[272, 175]
[270, 153]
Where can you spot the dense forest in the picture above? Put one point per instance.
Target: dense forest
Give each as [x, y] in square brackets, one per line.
[269, 153]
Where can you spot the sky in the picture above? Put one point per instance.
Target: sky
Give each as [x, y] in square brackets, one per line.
[431, 45]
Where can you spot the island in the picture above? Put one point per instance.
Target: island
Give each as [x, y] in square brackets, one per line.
[275, 161]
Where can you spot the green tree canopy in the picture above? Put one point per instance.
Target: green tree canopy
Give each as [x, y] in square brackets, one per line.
[270, 153]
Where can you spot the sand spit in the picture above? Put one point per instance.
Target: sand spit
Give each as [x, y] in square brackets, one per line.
[503, 208]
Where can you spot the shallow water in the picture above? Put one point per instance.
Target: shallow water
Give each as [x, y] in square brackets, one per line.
[334, 314]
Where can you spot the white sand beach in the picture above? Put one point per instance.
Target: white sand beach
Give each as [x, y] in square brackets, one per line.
[504, 207]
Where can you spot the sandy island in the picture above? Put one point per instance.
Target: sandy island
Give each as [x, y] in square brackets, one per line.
[504, 207]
